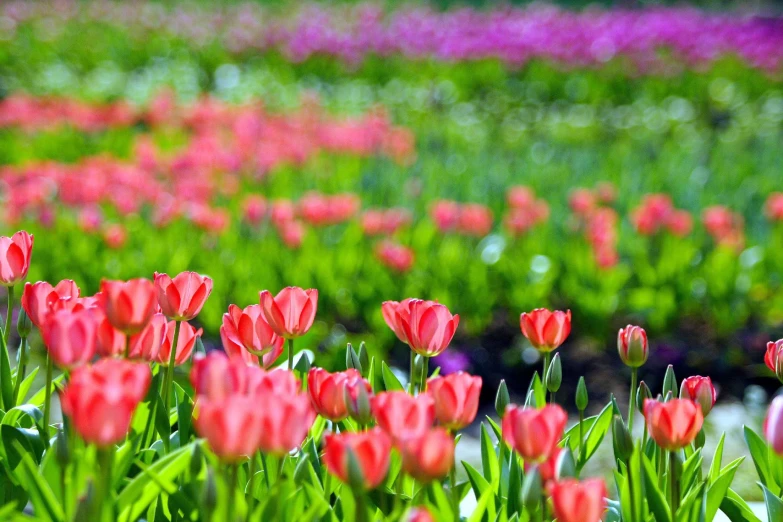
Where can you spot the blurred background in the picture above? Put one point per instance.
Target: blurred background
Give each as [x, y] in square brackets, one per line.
[620, 159]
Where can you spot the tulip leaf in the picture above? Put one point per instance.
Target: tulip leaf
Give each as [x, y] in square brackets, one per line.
[162, 422]
[655, 498]
[477, 481]
[40, 395]
[29, 439]
[774, 504]
[442, 502]
[318, 505]
[489, 459]
[26, 384]
[184, 414]
[759, 453]
[572, 433]
[718, 487]
[484, 509]
[495, 428]
[688, 504]
[717, 457]
[6, 381]
[596, 434]
[691, 469]
[41, 495]
[513, 505]
[390, 381]
[736, 509]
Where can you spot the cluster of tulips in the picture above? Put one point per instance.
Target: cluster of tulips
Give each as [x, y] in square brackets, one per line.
[296, 442]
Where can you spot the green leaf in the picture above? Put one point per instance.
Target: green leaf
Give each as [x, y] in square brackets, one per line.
[29, 439]
[734, 507]
[774, 505]
[489, 458]
[691, 469]
[689, 503]
[38, 398]
[719, 486]
[484, 507]
[759, 452]
[6, 381]
[538, 390]
[596, 435]
[655, 498]
[390, 381]
[513, 505]
[495, 428]
[41, 495]
[717, 457]
[162, 422]
[442, 502]
[24, 387]
[184, 413]
[478, 482]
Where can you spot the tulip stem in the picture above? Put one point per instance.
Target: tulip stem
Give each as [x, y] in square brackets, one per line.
[48, 395]
[425, 363]
[127, 346]
[21, 368]
[631, 399]
[9, 311]
[453, 481]
[231, 483]
[103, 486]
[630, 489]
[251, 498]
[327, 487]
[266, 471]
[674, 482]
[547, 360]
[411, 381]
[361, 507]
[291, 354]
[169, 382]
[581, 434]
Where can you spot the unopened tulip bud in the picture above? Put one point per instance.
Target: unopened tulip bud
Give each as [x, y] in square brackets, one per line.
[531, 490]
[352, 359]
[642, 394]
[355, 474]
[669, 396]
[357, 402]
[301, 472]
[581, 395]
[632, 346]
[210, 494]
[701, 391]
[303, 364]
[196, 460]
[623, 443]
[566, 467]
[23, 324]
[62, 452]
[364, 359]
[554, 374]
[670, 382]
[502, 399]
[199, 346]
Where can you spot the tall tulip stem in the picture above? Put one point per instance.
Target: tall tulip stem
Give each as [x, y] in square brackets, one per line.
[231, 487]
[453, 483]
[21, 368]
[291, 354]
[169, 381]
[412, 380]
[425, 370]
[9, 312]
[361, 507]
[632, 399]
[674, 481]
[103, 499]
[581, 433]
[547, 361]
[127, 346]
[251, 497]
[48, 394]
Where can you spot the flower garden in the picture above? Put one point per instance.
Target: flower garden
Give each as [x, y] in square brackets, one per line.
[369, 263]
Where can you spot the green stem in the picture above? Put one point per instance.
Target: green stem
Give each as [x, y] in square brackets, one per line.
[411, 381]
[632, 399]
[547, 361]
[630, 490]
[251, 498]
[453, 483]
[169, 382]
[291, 354]
[21, 368]
[266, 471]
[127, 346]
[674, 482]
[361, 507]
[425, 370]
[231, 482]
[327, 488]
[9, 312]
[104, 511]
[48, 394]
[581, 433]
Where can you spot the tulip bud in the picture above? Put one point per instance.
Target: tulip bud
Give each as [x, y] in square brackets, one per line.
[352, 359]
[623, 443]
[210, 495]
[364, 359]
[581, 395]
[355, 474]
[196, 460]
[642, 394]
[669, 396]
[303, 364]
[359, 407]
[23, 324]
[62, 452]
[554, 374]
[670, 382]
[566, 467]
[502, 399]
[700, 390]
[531, 490]
[300, 472]
[632, 346]
[199, 346]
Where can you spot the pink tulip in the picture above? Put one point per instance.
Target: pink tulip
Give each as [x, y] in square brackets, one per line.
[456, 399]
[70, 337]
[182, 297]
[246, 334]
[185, 343]
[291, 312]
[37, 298]
[129, 305]
[15, 253]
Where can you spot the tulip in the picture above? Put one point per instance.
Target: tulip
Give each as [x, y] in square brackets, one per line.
[286, 420]
[247, 335]
[185, 343]
[129, 305]
[232, 426]
[395, 256]
[291, 312]
[429, 456]
[632, 346]
[100, 400]
[111, 342]
[182, 297]
[419, 514]
[674, 424]
[37, 298]
[456, 399]
[215, 376]
[357, 400]
[70, 337]
[15, 253]
[372, 451]
[426, 326]
[574, 501]
[547, 469]
[534, 433]
[401, 415]
[546, 330]
[701, 391]
[772, 358]
[276, 382]
[773, 425]
[146, 344]
[327, 391]
[395, 313]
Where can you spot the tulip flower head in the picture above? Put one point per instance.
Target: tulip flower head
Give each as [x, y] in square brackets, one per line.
[773, 425]
[371, 452]
[546, 330]
[182, 297]
[247, 335]
[327, 391]
[701, 391]
[532, 432]
[215, 376]
[129, 305]
[185, 343]
[574, 501]
[419, 514]
[38, 298]
[429, 456]
[286, 420]
[456, 398]
[291, 312]
[71, 337]
[773, 358]
[632, 346]
[231, 425]
[426, 326]
[674, 424]
[402, 415]
[15, 254]
[146, 344]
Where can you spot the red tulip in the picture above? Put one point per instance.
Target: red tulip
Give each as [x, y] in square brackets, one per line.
[358, 394]
[395, 313]
[701, 391]
[445, 213]
[574, 501]
[430, 328]
[183, 297]
[532, 432]
[371, 450]
[276, 382]
[773, 358]
[429, 456]
[70, 337]
[111, 342]
[548, 469]
[291, 312]
[247, 335]
[100, 399]
[674, 424]
[146, 344]
[327, 391]
[37, 298]
[395, 256]
[185, 343]
[15, 253]
[285, 419]
[129, 305]
[456, 399]
[231, 425]
[401, 415]
[475, 220]
[773, 208]
[546, 330]
[214, 376]
[632, 346]
[419, 514]
[773, 425]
